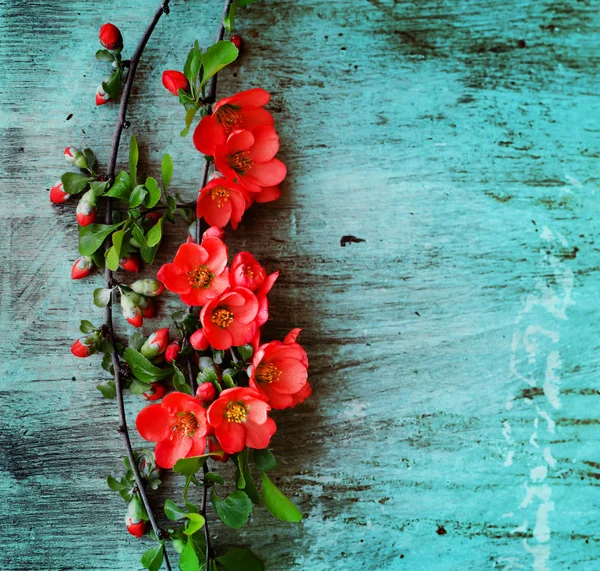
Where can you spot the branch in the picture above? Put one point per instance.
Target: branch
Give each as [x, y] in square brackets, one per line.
[121, 123]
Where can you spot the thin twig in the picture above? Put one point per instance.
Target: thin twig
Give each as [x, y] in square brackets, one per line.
[112, 162]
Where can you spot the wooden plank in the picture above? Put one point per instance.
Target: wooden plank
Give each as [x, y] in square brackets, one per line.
[454, 420]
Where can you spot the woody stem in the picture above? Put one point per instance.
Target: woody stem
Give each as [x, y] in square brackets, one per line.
[110, 334]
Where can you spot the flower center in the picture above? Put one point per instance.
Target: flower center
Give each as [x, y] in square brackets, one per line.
[222, 317]
[268, 373]
[229, 117]
[235, 412]
[240, 162]
[220, 194]
[200, 277]
[185, 424]
[249, 272]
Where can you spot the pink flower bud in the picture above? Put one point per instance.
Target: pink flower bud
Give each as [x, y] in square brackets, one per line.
[85, 346]
[174, 81]
[237, 42]
[148, 287]
[199, 341]
[70, 153]
[101, 96]
[214, 232]
[172, 351]
[86, 209]
[57, 193]
[131, 312]
[136, 529]
[157, 392]
[130, 264]
[110, 37]
[156, 343]
[206, 392]
[82, 267]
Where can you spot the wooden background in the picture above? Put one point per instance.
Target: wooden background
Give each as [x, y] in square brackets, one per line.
[454, 353]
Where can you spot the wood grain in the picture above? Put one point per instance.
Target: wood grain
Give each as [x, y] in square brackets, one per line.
[454, 422]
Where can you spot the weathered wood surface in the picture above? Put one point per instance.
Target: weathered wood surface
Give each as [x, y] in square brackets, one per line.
[454, 424]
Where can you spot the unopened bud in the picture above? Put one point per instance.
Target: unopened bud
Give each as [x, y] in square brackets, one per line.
[156, 343]
[172, 351]
[148, 287]
[82, 267]
[214, 232]
[85, 346]
[101, 96]
[156, 393]
[110, 37]
[206, 392]
[215, 448]
[86, 209]
[130, 263]
[174, 81]
[76, 157]
[57, 193]
[199, 341]
[131, 312]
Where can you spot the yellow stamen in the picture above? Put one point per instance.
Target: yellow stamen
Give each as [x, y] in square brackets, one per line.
[248, 272]
[240, 162]
[200, 277]
[229, 117]
[268, 373]
[235, 412]
[222, 317]
[186, 424]
[220, 194]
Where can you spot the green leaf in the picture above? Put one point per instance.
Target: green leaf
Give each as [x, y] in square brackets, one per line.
[246, 477]
[143, 369]
[216, 478]
[102, 296]
[136, 340]
[98, 187]
[153, 192]
[166, 171]
[104, 55]
[114, 484]
[179, 382]
[91, 237]
[113, 85]
[173, 512]
[153, 558]
[193, 63]
[244, 3]
[216, 58]
[245, 352]
[240, 559]
[196, 522]
[90, 157]
[146, 252]
[122, 187]
[86, 326]
[264, 460]
[227, 380]
[189, 118]
[189, 466]
[74, 183]
[230, 18]
[154, 235]
[234, 510]
[112, 258]
[139, 388]
[277, 502]
[188, 560]
[137, 196]
[134, 155]
[108, 389]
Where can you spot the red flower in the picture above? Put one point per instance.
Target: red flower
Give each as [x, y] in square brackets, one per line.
[246, 272]
[213, 232]
[220, 201]
[261, 295]
[241, 111]
[174, 81]
[228, 320]
[198, 273]
[110, 37]
[172, 351]
[177, 425]
[280, 372]
[240, 418]
[81, 268]
[199, 341]
[57, 193]
[156, 393]
[247, 156]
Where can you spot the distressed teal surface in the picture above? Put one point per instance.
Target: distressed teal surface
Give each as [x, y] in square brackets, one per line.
[454, 353]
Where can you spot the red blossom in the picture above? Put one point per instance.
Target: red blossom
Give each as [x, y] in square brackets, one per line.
[206, 392]
[261, 296]
[246, 272]
[221, 201]
[110, 37]
[174, 81]
[241, 111]
[214, 232]
[199, 341]
[280, 372]
[229, 320]
[247, 156]
[156, 343]
[177, 425]
[198, 273]
[172, 351]
[240, 418]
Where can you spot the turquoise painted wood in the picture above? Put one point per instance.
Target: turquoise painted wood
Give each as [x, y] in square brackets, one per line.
[454, 423]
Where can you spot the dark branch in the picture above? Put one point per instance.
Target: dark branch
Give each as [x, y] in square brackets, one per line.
[121, 123]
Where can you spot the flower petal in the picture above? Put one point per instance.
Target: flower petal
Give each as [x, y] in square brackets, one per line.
[208, 134]
[267, 194]
[259, 435]
[171, 449]
[270, 173]
[173, 278]
[292, 336]
[253, 117]
[255, 97]
[239, 141]
[190, 256]
[293, 376]
[217, 254]
[231, 437]
[266, 144]
[154, 423]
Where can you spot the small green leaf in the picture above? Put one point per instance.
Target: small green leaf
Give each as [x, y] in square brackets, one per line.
[102, 296]
[74, 183]
[188, 560]
[90, 157]
[108, 389]
[113, 85]
[240, 559]
[264, 460]
[138, 388]
[173, 512]
[230, 18]
[153, 192]
[137, 196]
[153, 558]
[189, 118]
[86, 326]
[216, 58]
[278, 503]
[227, 381]
[154, 235]
[246, 477]
[216, 478]
[196, 522]
[146, 252]
[166, 171]
[179, 382]
[114, 484]
[122, 187]
[134, 155]
[234, 510]
[193, 63]
[98, 187]
[143, 369]
[112, 258]
[136, 340]
[189, 466]
[91, 237]
[245, 352]
[104, 55]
